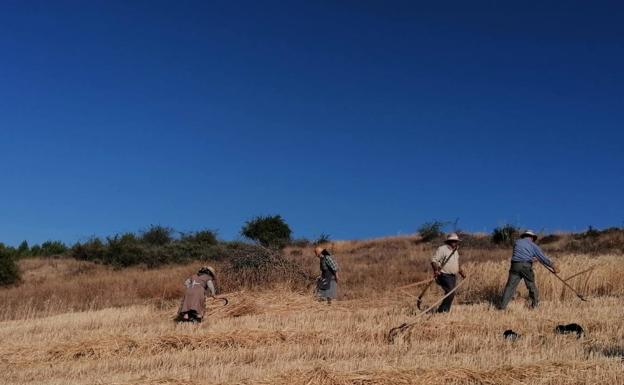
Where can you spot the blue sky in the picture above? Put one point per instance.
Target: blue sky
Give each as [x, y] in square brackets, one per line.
[352, 118]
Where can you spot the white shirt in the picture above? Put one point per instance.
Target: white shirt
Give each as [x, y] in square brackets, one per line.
[442, 253]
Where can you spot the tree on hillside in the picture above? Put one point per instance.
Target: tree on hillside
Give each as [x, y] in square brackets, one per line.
[205, 237]
[9, 272]
[23, 250]
[269, 231]
[157, 235]
[429, 231]
[49, 248]
[505, 235]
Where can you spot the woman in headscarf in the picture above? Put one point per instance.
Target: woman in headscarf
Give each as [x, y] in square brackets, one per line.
[327, 283]
[198, 286]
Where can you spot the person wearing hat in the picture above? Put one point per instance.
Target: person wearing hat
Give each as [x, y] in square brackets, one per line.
[327, 283]
[445, 264]
[525, 252]
[198, 286]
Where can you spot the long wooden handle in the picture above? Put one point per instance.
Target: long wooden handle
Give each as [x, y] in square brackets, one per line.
[579, 273]
[425, 289]
[438, 301]
[565, 283]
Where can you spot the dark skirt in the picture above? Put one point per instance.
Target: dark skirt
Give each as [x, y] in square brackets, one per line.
[327, 290]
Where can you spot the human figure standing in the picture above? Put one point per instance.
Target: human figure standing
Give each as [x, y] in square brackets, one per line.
[327, 283]
[445, 264]
[525, 252]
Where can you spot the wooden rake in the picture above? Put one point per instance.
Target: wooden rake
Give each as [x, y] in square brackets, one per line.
[407, 327]
[566, 284]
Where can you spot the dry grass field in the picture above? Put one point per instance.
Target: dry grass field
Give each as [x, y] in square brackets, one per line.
[73, 322]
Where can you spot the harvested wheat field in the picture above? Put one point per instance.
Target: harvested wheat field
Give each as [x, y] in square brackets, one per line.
[283, 336]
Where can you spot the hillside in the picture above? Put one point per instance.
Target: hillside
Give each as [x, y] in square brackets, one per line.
[76, 322]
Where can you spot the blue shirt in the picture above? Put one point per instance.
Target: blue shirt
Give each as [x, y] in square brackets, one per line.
[524, 250]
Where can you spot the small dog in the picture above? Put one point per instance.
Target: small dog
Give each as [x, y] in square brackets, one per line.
[569, 329]
[510, 335]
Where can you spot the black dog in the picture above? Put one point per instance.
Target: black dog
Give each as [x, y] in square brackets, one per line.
[510, 335]
[569, 329]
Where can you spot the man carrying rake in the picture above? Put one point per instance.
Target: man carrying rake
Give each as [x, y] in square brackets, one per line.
[445, 264]
[525, 252]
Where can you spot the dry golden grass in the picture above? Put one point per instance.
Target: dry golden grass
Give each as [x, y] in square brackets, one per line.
[125, 335]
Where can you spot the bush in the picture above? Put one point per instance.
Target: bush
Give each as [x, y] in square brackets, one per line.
[92, 250]
[23, 250]
[49, 248]
[595, 241]
[207, 237]
[472, 241]
[505, 235]
[35, 250]
[153, 247]
[269, 231]
[323, 238]
[551, 238]
[9, 272]
[157, 235]
[429, 231]
[125, 250]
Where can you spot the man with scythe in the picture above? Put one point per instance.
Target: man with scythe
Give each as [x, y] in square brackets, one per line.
[445, 264]
[525, 252]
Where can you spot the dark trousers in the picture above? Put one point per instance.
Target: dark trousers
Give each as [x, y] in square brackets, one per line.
[447, 282]
[517, 272]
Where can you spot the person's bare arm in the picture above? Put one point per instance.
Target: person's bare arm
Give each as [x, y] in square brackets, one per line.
[436, 268]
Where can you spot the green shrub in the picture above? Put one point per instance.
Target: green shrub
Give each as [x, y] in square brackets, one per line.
[92, 250]
[431, 230]
[49, 248]
[35, 250]
[269, 231]
[505, 235]
[207, 237]
[157, 235]
[125, 250]
[8, 251]
[9, 272]
[23, 250]
[153, 247]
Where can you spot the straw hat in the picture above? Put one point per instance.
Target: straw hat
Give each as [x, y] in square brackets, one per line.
[528, 233]
[453, 237]
[208, 269]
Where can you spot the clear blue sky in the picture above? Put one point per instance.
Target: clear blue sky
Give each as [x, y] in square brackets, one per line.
[352, 118]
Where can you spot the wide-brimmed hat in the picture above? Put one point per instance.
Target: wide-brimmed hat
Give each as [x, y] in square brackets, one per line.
[453, 237]
[528, 233]
[208, 269]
